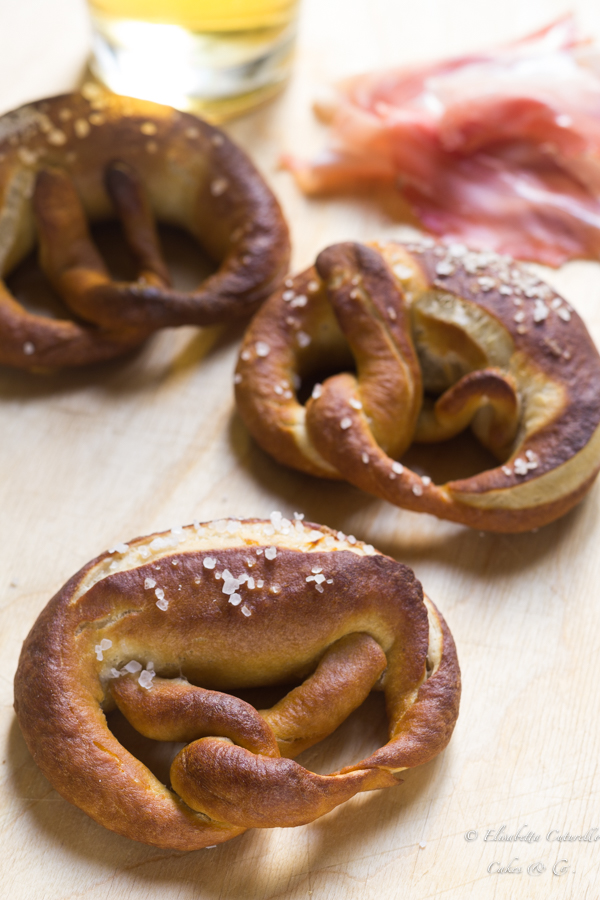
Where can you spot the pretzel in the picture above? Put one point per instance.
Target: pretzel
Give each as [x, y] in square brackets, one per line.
[441, 338]
[165, 626]
[80, 158]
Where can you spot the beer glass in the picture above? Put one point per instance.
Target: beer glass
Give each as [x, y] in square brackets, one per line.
[215, 57]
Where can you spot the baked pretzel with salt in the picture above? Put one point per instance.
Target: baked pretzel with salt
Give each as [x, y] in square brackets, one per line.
[78, 159]
[441, 339]
[166, 625]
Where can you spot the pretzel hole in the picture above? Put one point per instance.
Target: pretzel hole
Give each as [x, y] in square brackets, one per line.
[29, 285]
[187, 263]
[155, 755]
[312, 375]
[451, 460]
[361, 734]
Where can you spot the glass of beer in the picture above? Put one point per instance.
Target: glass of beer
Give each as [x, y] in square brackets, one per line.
[215, 57]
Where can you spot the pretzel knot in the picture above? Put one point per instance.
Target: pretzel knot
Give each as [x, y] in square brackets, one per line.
[72, 160]
[440, 339]
[167, 625]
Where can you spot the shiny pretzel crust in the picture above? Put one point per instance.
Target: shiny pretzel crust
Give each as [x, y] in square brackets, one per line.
[55, 157]
[62, 689]
[534, 364]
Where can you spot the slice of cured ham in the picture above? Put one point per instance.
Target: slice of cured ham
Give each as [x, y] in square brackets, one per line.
[499, 149]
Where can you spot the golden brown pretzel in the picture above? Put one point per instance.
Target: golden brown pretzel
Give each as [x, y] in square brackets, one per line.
[164, 626]
[72, 160]
[492, 346]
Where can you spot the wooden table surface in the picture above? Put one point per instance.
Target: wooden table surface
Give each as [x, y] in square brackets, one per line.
[101, 455]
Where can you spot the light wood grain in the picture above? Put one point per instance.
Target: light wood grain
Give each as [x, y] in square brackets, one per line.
[93, 457]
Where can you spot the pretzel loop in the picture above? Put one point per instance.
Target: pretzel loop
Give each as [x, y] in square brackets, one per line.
[436, 350]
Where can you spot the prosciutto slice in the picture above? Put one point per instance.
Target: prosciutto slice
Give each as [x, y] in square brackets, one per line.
[500, 150]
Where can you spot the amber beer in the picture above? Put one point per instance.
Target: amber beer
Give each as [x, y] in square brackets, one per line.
[219, 57]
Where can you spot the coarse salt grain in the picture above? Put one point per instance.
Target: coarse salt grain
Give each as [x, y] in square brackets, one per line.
[246, 611]
[398, 468]
[131, 667]
[520, 466]
[218, 186]
[237, 378]
[145, 679]
[426, 480]
[262, 349]
[345, 423]
[209, 562]
[287, 296]
[317, 391]
[270, 553]
[162, 605]
[417, 490]
[158, 544]
[355, 403]
[81, 128]
[245, 355]
[540, 311]
[119, 548]
[365, 458]
[149, 583]
[104, 644]
[402, 271]
[28, 348]
[303, 339]
[235, 599]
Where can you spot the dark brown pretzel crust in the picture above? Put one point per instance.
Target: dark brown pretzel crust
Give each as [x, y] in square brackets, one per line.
[68, 161]
[365, 624]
